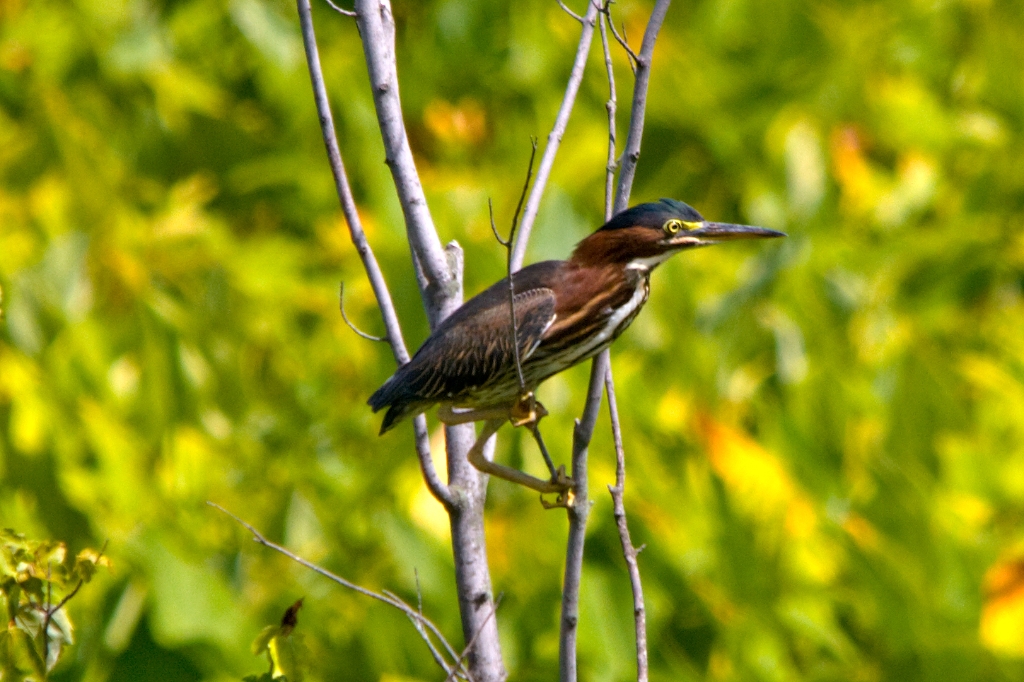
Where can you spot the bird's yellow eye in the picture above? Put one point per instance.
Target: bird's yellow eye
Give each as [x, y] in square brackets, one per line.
[673, 226]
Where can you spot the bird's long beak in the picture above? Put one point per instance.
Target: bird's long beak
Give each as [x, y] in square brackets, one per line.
[712, 233]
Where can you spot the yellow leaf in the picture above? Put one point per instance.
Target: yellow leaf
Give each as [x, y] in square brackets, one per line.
[1002, 618]
[754, 475]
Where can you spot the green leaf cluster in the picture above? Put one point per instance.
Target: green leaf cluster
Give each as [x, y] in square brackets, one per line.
[37, 580]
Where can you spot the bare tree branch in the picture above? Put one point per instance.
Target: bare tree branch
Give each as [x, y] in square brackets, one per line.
[377, 28]
[631, 154]
[578, 511]
[440, 275]
[618, 491]
[355, 227]
[385, 597]
[584, 430]
[629, 552]
[472, 641]
[344, 190]
[557, 131]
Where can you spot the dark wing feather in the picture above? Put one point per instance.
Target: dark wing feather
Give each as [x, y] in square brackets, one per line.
[473, 346]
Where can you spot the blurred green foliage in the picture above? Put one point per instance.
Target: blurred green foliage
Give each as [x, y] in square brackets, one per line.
[825, 436]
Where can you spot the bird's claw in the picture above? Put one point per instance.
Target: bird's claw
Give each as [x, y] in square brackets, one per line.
[527, 410]
[566, 496]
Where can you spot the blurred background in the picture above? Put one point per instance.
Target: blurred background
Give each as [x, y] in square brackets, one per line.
[825, 435]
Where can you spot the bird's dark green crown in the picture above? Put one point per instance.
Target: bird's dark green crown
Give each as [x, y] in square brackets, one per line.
[653, 215]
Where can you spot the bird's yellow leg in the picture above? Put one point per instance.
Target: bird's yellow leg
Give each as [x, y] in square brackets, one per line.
[527, 411]
[558, 484]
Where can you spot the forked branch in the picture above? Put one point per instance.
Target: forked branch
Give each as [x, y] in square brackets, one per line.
[424, 625]
[439, 271]
[355, 227]
[376, 24]
[601, 364]
[621, 39]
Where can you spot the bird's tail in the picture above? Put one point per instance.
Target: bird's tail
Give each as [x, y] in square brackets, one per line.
[399, 407]
[395, 414]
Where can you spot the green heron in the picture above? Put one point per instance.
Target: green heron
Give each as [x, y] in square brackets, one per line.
[566, 311]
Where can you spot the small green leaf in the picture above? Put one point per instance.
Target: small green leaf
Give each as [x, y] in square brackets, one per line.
[87, 563]
[262, 641]
[34, 587]
[50, 552]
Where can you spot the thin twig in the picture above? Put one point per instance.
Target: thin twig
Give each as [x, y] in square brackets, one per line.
[622, 40]
[419, 593]
[507, 243]
[535, 430]
[425, 636]
[611, 107]
[511, 273]
[341, 10]
[526, 186]
[557, 131]
[494, 228]
[385, 597]
[631, 153]
[570, 12]
[355, 227]
[438, 658]
[341, 306]
[629, 552]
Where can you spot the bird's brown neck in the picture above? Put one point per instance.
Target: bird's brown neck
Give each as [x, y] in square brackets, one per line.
[603, 271]
[618, 247]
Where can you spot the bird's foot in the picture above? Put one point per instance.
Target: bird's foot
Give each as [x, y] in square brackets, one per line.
[564, 484]
[526, 410]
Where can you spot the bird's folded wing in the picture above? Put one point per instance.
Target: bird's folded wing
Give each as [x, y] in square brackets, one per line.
[479, 350]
